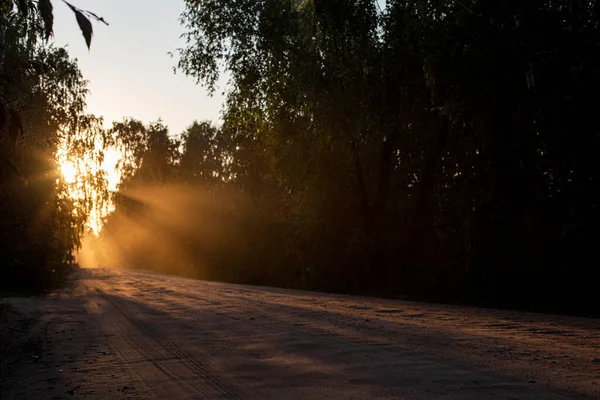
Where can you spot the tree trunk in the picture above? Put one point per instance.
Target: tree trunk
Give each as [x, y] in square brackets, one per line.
[413, 269]
[428, 177]
[362, 186]
[384, 178]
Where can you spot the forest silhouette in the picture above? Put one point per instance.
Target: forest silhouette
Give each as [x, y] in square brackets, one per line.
[431, 150]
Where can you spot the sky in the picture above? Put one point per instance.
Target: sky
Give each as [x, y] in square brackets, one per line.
[129, 70]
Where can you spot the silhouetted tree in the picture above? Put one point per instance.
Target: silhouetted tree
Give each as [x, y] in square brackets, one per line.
[42, 99]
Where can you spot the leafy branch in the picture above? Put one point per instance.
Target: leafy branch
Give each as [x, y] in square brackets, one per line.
[47, 13]
[83, 19]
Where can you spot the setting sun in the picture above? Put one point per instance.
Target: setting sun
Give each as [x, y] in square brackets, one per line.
[69, 171]
[83, 174]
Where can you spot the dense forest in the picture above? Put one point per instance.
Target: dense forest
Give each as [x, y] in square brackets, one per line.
[437, 150]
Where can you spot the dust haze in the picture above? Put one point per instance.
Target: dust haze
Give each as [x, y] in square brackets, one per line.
[173, 229]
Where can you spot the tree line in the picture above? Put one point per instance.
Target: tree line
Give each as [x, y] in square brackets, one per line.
[434, 149]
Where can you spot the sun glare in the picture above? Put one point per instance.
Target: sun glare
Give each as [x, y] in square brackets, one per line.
[111, 157]
[69, 171]
[77, 171]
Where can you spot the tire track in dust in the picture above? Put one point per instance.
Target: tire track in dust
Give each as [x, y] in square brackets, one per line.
[181, 366]
[118, 333]
[134, 351]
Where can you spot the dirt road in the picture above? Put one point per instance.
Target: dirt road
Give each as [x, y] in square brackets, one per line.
[136, 335]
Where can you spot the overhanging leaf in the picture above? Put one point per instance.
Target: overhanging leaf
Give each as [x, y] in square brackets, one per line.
[86, 27]
[84, 24]
[45, 8]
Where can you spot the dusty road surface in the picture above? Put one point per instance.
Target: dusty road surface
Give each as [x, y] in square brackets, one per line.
[136, 335]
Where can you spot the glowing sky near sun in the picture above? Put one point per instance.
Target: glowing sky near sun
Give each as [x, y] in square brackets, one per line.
[77, 171]
[130, 72]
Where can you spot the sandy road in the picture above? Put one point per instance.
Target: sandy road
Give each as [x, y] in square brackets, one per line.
[137, 335]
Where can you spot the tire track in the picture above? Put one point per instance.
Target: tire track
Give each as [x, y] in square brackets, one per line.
[188, 368]
[133, 351]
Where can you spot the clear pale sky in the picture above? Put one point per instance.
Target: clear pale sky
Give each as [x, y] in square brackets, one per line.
[129, 71]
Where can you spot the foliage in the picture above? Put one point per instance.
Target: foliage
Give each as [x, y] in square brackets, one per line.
[42, 99]
[431, 148]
